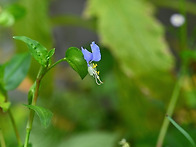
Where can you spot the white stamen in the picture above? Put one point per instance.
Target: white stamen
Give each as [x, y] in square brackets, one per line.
[92, 71]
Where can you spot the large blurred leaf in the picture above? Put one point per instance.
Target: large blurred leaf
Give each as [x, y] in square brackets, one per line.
[16, 70]
[35, 24]
[45, 115]
[135, 38]
[143, 61]
[76, 60]
[91, 139]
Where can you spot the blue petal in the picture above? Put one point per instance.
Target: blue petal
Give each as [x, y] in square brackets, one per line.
[88, 56]
[96, 52]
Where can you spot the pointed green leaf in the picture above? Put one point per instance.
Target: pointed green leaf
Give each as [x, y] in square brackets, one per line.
[38, 51]
[51, 53]
[45, 115]
[16, 70]
[76, 60]
[182, 131]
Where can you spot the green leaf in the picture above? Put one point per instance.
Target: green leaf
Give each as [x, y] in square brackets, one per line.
[76, 60]
[45, 115]
[91, 139]
[38, 51]
[182, 131]
[51, 53]
[16, 70]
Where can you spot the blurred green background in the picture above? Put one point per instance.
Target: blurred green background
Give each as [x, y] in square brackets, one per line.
[141, 56]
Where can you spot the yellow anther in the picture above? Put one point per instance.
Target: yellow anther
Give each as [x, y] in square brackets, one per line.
[94, 65]
[97, 72]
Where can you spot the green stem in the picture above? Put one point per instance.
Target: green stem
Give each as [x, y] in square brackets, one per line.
[53, 65]
[169, 112]
[15, 128]
[183, 28]
[2, 139]
[40, 75]
[32, 113]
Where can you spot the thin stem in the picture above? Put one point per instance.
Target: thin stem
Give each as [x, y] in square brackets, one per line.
[42, 72]
[169, 112]
[15, 128]
[53, 65]
[2, 139]
[183, 28]
[32, 113]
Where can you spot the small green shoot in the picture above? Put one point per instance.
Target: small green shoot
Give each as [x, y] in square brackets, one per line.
[182, 131]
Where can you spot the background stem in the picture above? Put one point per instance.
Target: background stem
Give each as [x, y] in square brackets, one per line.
[2, 139]
[183, 28]
[169, 112]
[15, 128]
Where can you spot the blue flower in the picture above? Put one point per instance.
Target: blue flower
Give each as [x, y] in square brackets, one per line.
[90, 57]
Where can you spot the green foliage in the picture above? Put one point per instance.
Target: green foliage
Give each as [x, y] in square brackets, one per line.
[182, 131]
[76, 60]
[45, 115]
[16, 70]
[38, 51]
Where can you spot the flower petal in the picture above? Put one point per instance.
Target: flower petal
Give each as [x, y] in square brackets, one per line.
[88, 56]
[96, 52]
